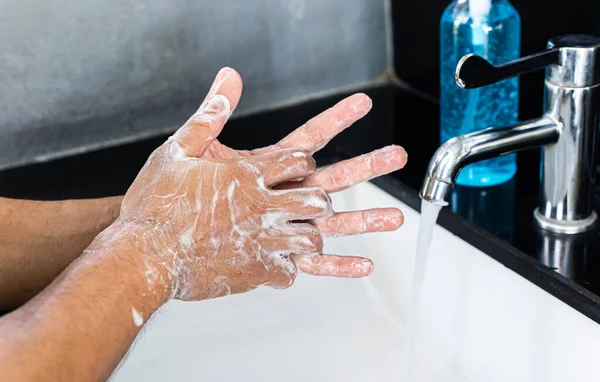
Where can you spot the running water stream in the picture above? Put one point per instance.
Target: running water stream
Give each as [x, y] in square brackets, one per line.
[429, 215]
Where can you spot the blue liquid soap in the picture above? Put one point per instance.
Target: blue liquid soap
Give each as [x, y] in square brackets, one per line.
[491, 29]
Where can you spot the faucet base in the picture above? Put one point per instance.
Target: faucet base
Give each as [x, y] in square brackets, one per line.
[563, 226]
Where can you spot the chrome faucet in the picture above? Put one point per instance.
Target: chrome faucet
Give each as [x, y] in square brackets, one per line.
[568, 132]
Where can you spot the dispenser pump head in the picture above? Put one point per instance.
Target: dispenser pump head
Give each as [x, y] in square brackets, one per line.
[479, 8]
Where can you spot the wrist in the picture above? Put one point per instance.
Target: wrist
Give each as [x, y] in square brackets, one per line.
[82, 217]
[123, 244]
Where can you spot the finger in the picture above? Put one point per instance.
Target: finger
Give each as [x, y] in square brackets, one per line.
[351, 172]
[227, 83]
[299, 204]
[301, 238]
[333, 265]
[283, 274]
[359, 222]
[203, 127]
[285, 165]
[318, 131]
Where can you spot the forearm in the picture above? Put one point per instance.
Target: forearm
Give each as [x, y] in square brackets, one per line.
[39, 239]
[81, 325]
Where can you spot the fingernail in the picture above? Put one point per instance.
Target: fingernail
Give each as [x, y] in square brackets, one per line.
[397, 219]
[393, 155]
[364, 104]
[364, 267]
[222, 75]
[393, 151]
[217, 82]
[217, 104]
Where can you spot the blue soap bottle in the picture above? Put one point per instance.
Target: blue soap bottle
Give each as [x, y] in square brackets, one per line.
[492, 29]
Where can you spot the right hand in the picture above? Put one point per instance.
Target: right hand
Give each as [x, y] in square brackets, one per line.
[311, 137]
[208, 227]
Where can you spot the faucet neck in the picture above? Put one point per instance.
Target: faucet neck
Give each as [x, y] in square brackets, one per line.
[458, 152]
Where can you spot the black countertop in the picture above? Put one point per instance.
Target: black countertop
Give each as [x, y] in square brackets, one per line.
[497, 220]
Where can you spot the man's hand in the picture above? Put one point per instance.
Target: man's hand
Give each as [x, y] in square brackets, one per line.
[206, 227]
[35, 251]
[210, 223]
[310, 138]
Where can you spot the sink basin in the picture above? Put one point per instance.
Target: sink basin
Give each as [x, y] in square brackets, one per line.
[478, 321]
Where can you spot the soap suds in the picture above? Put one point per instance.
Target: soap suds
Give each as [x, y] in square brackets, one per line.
[222, 218]
[300, 240]
[261, 182]
[187, 239]
[270, 219]
[230, 192]
[138, 319]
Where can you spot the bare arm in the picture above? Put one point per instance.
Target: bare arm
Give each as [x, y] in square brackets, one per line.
[80, 327]
[39, 239]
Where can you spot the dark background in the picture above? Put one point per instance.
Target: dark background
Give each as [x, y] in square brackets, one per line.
[416, 39]
[416, 49]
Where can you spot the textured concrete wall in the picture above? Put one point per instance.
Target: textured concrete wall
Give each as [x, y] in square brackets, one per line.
[75, 75]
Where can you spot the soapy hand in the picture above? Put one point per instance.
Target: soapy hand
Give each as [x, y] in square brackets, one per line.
[208, 227]
[311, 137]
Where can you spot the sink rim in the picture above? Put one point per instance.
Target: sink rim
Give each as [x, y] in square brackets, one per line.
[559, 286]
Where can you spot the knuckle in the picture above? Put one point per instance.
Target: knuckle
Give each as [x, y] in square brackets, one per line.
[316, 239]
[200, 120]
[285, 274]
[289, 281]
[300, 159]
[303, 158]
[314, 260]
[313, 133]
[341, 173]
[310, 163]
[324, 201]
[162, 150]
[321, 195]
[338, 117]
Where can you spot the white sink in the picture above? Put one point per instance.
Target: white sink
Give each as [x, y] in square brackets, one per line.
[478, 321]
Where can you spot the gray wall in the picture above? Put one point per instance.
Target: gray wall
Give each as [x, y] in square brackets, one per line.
[77, 75]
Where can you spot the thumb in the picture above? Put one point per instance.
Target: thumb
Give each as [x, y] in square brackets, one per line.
[203, 127]
[228, 83]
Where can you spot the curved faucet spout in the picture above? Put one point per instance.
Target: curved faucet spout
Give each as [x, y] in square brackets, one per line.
[458, 152]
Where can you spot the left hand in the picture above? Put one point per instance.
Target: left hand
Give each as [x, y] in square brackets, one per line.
[311, 137]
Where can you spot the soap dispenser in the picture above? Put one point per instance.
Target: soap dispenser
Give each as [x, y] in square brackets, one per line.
[491, 29]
